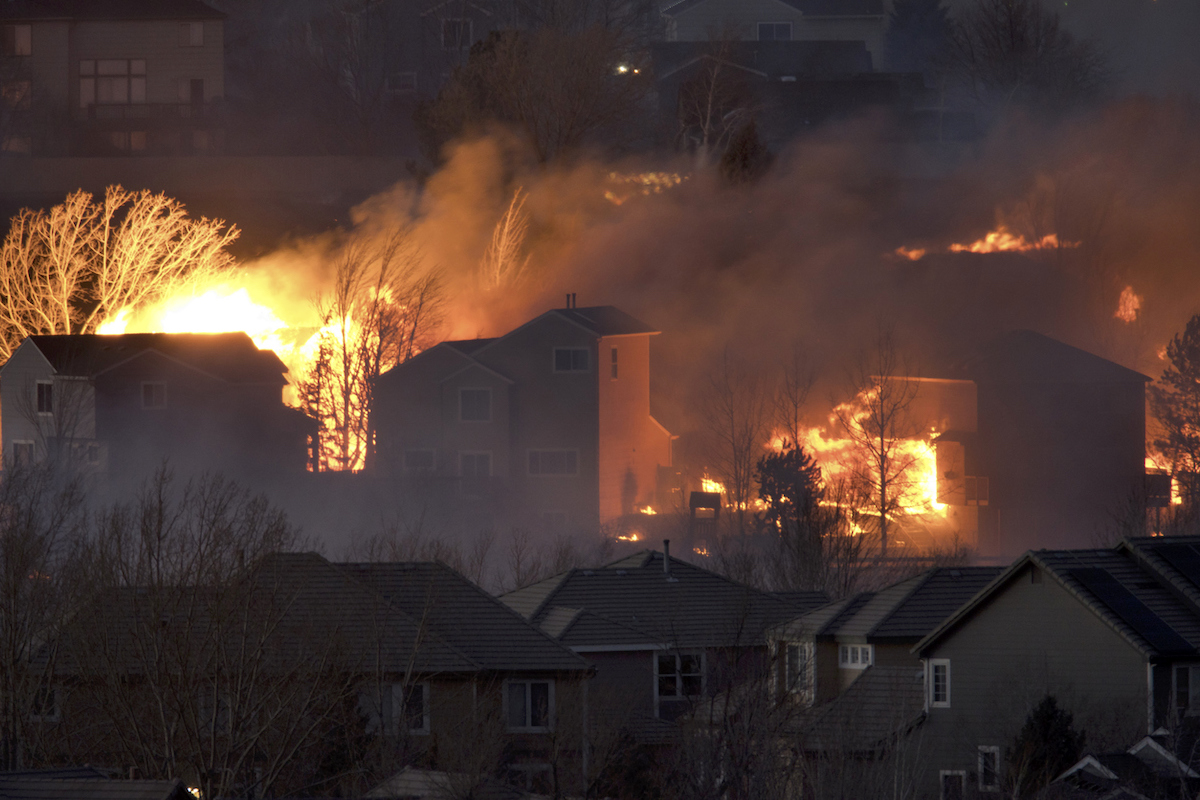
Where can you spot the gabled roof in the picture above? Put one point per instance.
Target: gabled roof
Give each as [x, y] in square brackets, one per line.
[1120, 586]
[632, 603]
[1025, 356]
[605, 320]
[231, 357]
[107, 9]
[906, 610]
[468, 346]
[882, 704]
[490, 633]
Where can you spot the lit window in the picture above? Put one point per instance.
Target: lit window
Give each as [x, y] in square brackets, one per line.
[571, 359]
[18, 40]
[855, 656]
[989, 768]
[529, 705]
[191, 34]
[45, 397]
[680, 676]
[154, 395]
[553, 462]
[456, 34]
[417, 462]
[939, 682]
[774, 31]
[475, 405]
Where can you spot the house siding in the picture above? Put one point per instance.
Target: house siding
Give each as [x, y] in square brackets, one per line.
[1030, 640]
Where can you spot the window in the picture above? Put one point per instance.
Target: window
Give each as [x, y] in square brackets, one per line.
[855, 656]
[553, 462]
[774, 31]
[989, 768]
[953, 784]
[939, 682]
[44, 705]
[17, 94]
[570, 359]
[45, 397]
[529, 705]
[154, 395]
[113, 81]
[410, 708]
[22, 454]
[797, 668]
[418, 462]
[977, 491]
[614, 363]
[191, 34]
[1187, 701]
[18, 40]
[475, 405]
[456, 34]
[679, 676]
[137, 141]
[474, 469]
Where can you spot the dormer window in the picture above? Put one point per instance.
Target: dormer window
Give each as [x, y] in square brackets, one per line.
[571, 359]
[855, 656]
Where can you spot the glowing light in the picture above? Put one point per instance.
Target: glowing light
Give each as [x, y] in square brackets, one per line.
[1156, 463]
[1128, 305]
[630, 537]
[910, 253]
[649, 510]
[707, 484]
[633, 184]
[701, 551]
[1003, 240]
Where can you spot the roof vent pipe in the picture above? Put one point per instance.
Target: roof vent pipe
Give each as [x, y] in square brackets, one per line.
[667, 558]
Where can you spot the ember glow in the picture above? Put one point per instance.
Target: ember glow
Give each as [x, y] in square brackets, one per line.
[1001, 240]
[627, 185]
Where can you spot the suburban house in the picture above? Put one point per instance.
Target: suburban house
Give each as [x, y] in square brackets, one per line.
[374, 666]
[664, 635]
[548, 425]
[106, 78]
[1041, 444]
[122, 404]
[1151, 767]
[1113, 635]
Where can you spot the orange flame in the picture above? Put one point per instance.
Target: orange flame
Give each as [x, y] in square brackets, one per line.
[648, 510]
[1128, 305]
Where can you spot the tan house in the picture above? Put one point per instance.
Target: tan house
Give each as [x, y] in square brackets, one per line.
[548, 424]
[782, 20]
[111, 78]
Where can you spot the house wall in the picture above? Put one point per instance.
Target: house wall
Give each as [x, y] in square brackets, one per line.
[623, 687]
[632, 446]
[1029, 640]
[459, 436]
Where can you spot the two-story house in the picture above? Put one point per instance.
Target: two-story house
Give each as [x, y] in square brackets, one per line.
[1113, 635]
[664, 635]
[548, 424]
[122, 404]
[109, 78]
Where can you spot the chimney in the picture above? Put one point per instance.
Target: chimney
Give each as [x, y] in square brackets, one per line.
[568, 299]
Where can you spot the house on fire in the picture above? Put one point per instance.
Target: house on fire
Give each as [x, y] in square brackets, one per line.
[1041, 444]
[663, 634]
[122, 404]
[548, 424]
[1112, 634]
[137, 77]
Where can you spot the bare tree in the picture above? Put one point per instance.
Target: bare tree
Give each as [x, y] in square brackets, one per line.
[716, 104]
[71, 268]
[383, 309]
[503, 265]
[736, 414]
[877, 421]
[791, 397]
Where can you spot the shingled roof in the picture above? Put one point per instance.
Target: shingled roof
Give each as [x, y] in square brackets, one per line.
[231, 357]
[1025, 356]
[904, 611]
[632, 602]
[21, 786]
[1145, 589]
[883, 703]
[107, 9]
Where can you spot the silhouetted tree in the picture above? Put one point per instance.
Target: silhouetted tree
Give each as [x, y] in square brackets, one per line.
[1047, 745]
[918, 37]
[1175, 401]
[747, 157]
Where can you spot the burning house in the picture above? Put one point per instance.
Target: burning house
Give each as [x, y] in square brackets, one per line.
[547, 424]
[1043, 446]
[123, 404]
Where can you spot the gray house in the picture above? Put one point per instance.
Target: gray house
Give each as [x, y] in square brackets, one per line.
[1113, 635]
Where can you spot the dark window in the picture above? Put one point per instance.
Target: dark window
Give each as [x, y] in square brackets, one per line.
[570, 359]
[939, 685]
[614, 363]
[154, 395]
[413, 709]
[774, 31]
[680, 676]
[475, 405]
[418, 461]
[989, 768]
[45, 398]
[529, 704]
[456, 34]
[953, 785]
[553, 462]
[191, 34]
[18, 40]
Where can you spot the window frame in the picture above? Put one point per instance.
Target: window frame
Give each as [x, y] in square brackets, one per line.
[540, 473]
[960, 774]
[614, 373]
[931, 689]
[462, 390]
[679, 675]
[461, 43]
[399, 709]
[17, 50]
[806, 656]
[528, 727]
[573, 370]
[153, 407]
[132, 80]
[851, 656]
[982, 751]
[188, 34]
[44, 402]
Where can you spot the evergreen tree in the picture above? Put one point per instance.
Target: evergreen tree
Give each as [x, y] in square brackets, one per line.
[1046, 746]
